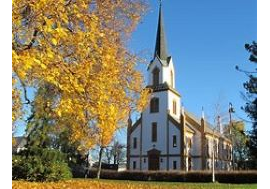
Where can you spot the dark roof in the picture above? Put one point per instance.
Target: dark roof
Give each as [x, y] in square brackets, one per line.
[208, 126]
[136, 124]
[176, 123]
[162, 62]
[161, 47]
[163, 87]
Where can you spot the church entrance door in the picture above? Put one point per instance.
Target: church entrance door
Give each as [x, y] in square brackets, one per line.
[153, 159]
[153, 162]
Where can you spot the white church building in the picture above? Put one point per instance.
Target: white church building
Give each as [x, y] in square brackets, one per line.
[167, 137]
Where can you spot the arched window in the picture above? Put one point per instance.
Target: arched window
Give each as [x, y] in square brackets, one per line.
[155, 76]
[171, 78]
[174, 107]
[207, 141]
[134, 142]
[174, 141]
[154, 132]
[154, 105]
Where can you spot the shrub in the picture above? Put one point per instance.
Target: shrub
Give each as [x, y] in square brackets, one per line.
[78, 171]
[19, 170]
[39, 164]
[237, 177]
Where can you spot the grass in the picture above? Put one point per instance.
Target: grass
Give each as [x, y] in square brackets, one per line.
[124, 184]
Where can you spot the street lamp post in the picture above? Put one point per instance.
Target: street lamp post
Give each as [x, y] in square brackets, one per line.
[213, 162]
[213, 151]
[214, 148]
[231, 110]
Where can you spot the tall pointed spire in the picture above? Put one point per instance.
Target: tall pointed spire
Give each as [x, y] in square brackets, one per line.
[161, 48]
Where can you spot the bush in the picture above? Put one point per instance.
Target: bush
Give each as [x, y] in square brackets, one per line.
[19, 170]
[78, 171]
[177, 176]
[237, 177]
[39, 164]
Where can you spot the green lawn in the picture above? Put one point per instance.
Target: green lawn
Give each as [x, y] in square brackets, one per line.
[182, 184]
[124, 184]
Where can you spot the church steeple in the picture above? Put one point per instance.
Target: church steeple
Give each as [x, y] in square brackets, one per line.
[161, 69]
[161, 48]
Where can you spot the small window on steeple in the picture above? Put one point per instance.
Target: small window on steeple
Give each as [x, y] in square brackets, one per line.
[154, 105]
[174, 107]
[171, 78]
[155, 74]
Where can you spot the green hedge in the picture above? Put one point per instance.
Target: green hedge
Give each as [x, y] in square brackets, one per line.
[173, 176]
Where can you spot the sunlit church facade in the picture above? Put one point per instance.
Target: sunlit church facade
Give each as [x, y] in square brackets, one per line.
[167, 136]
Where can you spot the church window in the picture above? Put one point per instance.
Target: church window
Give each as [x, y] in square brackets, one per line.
[171, 78]
[215, 148]
[155, 76]
[174, 141]
[154, 132]
[174, 107]
[174, 164]
[134, 164]
[154, 105]
[134, 142]
[189, 142]
[230, 153]
[208, 147]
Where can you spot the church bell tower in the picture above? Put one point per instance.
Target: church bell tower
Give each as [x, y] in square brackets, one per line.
[161, 73]
[157, 135]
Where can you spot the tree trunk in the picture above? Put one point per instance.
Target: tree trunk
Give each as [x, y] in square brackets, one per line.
[114, 159]
[88, 166]
[99, 162]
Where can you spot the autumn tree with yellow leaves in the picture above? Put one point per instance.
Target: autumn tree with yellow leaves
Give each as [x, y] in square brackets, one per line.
[79, 48]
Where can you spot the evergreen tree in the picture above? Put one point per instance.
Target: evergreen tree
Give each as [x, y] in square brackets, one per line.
[251, 102]
[43, 129]
[240, 148]
[41, 125]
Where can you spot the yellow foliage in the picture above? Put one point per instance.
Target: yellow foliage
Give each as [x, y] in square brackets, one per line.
[82, 53]
[16, 102]
[114, 184]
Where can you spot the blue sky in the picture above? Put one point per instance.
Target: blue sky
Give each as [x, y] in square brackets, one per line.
[206, 40]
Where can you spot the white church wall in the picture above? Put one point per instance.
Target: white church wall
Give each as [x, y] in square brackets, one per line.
[166, 74]
[171, 97]
[163, 163]
[155, 64]
[196, 163]
[145, 163]
[137, 160]
[174, 131]
[161, 119]
[135, 133]
[196, 144]
[178, 162]
[210, 144]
